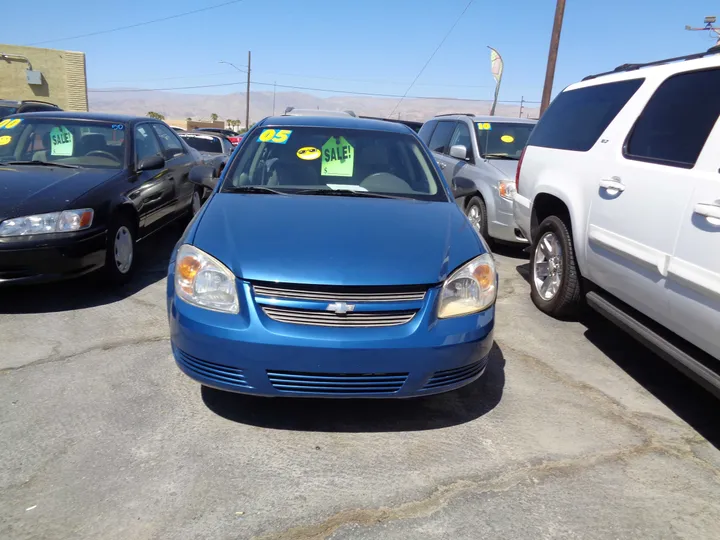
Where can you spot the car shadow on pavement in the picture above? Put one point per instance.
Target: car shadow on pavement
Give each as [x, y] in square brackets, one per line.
[687, 399]
[90, 290]
[513, 251]
[366, 415]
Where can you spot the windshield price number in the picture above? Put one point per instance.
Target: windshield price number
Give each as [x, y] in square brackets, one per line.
[275, 136]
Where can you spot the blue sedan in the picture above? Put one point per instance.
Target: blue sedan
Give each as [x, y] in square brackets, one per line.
[331, 261]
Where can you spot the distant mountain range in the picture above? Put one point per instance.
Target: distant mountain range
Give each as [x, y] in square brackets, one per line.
[175, 106]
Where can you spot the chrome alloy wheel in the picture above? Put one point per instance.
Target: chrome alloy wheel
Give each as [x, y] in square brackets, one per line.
[548, 266]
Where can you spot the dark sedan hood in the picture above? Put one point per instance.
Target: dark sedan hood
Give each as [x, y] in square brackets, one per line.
[27, 189]
[336, 240]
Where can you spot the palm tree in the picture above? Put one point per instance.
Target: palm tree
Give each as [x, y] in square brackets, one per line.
[157, 116]
[214, 117]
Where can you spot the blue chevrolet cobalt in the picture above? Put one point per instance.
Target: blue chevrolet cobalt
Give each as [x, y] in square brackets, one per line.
[330, 260]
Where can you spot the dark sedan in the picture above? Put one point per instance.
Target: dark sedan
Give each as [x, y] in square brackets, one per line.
[79, 190]
[214, 149]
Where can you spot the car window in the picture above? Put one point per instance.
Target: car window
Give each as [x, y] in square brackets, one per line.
[146, 144]
[502, 140]
[227, 146]
[296, 158]
[83, 143]
[677, 120]
[576, 118]
[441, 137]
[462, 136]
[169, 140]
[203, 143]
[426, 131]
[7, 111]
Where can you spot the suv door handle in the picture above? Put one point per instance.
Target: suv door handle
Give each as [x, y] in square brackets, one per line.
[709, 210]
[612, 184]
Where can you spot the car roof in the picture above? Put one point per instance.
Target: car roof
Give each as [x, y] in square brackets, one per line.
[9, 102]
[69, 115]
[342, 122]
[202, 133]
[486, 118]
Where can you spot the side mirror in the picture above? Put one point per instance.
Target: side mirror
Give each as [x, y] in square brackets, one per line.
[151, 163]
[203, 175]
[458, 151]
[463, 187]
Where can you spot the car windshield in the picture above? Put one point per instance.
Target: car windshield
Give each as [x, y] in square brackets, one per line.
[502, 140]
[203, 143]
[315, 160]
[79, 143]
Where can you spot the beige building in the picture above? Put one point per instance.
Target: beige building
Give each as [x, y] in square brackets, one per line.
[44, 74]
[193, 124]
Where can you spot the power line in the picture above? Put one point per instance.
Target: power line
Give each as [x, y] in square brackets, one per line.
[431, 57]
[292, 87]
[169, 17]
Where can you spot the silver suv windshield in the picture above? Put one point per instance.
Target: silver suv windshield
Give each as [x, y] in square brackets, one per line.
[502, 140]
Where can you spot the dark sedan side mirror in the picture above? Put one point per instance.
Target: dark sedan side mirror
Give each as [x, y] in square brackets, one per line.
[203, 175]
[463, 187]
[151, 163]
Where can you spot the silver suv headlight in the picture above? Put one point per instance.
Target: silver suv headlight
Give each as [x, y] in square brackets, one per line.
[203, 281]
[54, 222]
[470, 289]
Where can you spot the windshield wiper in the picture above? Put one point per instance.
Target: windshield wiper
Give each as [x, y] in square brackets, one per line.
[345, 193]
[500, 156]
[252, 189]
[41, 163]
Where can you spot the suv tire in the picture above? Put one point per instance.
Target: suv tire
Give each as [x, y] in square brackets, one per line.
[554, 275]
[476, 212]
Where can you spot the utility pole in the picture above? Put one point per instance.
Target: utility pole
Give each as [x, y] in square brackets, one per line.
[552, 55]
[247, 97]
[522, 102]
[709, 22]
[274, 87]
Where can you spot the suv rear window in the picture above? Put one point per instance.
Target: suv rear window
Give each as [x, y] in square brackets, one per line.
[677, 120]
[576, 118]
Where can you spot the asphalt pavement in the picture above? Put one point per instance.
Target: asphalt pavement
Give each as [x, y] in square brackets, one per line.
[575, 431]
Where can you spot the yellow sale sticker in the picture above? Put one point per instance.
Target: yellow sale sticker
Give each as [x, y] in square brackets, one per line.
[507, 138]
[5, 139]
[308, 153]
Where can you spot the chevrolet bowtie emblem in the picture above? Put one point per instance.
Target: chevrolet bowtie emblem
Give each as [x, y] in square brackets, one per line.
[340, 308]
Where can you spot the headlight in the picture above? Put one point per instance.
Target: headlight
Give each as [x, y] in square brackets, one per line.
[203, 281]
[471, 288]
[506, 189]
[55, 222]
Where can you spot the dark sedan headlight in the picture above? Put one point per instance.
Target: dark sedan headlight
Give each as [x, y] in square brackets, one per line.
[54, 222]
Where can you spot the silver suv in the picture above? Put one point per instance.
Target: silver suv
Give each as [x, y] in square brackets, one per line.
[485, 150]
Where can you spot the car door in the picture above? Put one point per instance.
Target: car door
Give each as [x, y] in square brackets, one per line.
[460, 167]
[638, 202]
[694, 270]
[180, 161]
[440, 146]
[153, 193]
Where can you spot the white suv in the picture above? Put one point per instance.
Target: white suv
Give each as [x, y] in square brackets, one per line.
[619, 191]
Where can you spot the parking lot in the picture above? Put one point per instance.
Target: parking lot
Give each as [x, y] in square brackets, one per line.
[574, 432]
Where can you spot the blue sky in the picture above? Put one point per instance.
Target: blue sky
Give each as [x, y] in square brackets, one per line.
[375, 46]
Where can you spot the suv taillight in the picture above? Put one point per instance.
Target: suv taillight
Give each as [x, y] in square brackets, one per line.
[517, 173]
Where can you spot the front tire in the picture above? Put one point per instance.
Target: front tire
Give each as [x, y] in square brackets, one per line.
[120, 253]
[476, 212]
[554, 275]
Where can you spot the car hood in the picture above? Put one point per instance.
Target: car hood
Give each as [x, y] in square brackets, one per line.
[27, 189]
[507, 167]
[333, 240]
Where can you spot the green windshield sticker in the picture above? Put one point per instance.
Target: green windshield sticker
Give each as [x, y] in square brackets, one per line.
[338, 157]
[61, 142]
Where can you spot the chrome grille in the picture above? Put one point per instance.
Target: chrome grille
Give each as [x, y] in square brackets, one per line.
[337, 383]
[328, 318]
[341, 294]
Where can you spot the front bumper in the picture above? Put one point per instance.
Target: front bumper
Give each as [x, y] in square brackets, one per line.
[501, 224]
[253, 354]
[522, 212]
[26, 261]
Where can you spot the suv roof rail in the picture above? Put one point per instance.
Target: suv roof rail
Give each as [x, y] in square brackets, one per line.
[632, 67]
[456, 114]
[38, 101]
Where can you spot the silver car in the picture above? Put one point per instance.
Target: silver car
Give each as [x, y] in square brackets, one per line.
[485, 150]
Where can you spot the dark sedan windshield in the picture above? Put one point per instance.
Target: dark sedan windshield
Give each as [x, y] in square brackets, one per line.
[203, 143]
[69, 142]
[502, 139]
[318, 160]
